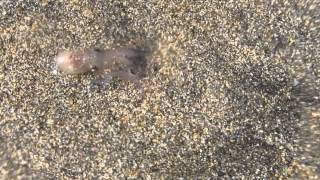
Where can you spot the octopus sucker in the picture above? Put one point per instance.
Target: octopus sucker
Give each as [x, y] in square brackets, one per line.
[125, 63]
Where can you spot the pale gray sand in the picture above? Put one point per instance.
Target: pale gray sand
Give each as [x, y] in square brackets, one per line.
[232, 91]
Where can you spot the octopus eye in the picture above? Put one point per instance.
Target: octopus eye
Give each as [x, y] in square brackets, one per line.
[132, 71]
[94, 68]
[97, 50]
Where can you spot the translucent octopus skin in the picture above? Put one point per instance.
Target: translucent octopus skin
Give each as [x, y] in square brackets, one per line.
[127, 64]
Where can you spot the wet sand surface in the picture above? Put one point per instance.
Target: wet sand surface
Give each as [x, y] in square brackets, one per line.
[232, 91]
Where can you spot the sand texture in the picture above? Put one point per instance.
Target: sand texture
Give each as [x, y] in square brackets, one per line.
[232, 90]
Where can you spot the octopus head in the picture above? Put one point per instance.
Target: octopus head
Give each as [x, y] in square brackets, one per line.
[70, 62]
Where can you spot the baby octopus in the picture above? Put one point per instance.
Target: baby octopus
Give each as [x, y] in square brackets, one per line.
[125, 63]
